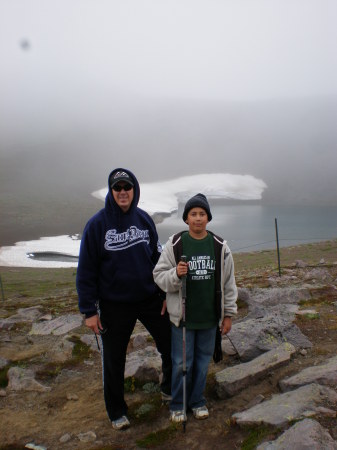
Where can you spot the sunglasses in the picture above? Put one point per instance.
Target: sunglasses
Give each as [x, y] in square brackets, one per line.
[126, 187]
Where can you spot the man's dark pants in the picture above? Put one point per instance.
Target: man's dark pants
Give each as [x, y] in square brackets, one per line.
[119, 321]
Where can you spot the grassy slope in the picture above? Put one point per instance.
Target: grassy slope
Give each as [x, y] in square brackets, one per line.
[26, 284]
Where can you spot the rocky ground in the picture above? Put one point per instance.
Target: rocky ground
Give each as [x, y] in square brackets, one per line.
[50, 369]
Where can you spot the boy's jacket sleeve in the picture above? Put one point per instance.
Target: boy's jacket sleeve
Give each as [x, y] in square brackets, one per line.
[165, 274]
[230, 289]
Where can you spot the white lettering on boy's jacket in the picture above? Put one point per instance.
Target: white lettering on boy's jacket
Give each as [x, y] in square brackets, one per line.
[201, 267]
[119, 241]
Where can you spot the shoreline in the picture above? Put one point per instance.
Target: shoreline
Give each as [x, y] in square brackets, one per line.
[330, 246]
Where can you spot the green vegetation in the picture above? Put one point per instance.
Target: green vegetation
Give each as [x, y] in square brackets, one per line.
[146, 410]
[256, 436]
[312, 316]
[157, 438]
[129, 385]
[310, 253]
[53, 290]
[80, 352]
[35, 282]
[3, 377]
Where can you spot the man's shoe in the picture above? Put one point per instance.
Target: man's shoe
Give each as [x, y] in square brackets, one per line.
[177, 416]
[121, 423]
[165, 397]
[201, 412]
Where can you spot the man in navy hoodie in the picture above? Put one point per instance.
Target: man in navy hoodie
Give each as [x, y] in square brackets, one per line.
[119, 250]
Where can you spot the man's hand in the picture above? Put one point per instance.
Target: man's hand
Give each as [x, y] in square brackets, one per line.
[94, 323]
[226, 325]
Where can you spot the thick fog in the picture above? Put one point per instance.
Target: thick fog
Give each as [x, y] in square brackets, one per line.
[166, 89]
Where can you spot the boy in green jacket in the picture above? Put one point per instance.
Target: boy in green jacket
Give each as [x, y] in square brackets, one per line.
[210, 302]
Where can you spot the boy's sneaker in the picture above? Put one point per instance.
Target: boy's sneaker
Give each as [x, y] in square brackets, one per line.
[201, 412]
[177, 416]
[165, 397]
[121, 423]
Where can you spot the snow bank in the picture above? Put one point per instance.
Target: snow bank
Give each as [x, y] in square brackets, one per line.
[164, 197]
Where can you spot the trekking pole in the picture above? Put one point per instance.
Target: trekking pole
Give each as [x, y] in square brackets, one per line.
[98, 346]
[183, 279]
[278, 248]
[237, 351]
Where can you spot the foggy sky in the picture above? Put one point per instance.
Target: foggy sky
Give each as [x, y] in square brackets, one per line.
[214, 49]
[168, 88]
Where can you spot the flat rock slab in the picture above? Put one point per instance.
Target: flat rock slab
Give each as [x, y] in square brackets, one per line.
[23, 380]
[61, 351]
[232, 380]
[304, 435]
[324, 374]
[306, 401]
[27, 314]
[58, 326]
[23, 315]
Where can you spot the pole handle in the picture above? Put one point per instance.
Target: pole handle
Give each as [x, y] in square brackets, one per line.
[183, 279]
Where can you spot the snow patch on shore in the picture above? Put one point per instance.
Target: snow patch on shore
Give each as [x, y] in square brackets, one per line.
[164, 197]
[20, 254]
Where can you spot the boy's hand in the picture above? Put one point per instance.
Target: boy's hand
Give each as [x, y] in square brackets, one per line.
[226, 325]
[182, 269]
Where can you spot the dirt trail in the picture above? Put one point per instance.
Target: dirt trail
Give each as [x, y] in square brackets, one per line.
[75, 405]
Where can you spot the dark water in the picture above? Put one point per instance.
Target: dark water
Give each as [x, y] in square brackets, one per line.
[252, 227]
[52, 256]
[248, 227]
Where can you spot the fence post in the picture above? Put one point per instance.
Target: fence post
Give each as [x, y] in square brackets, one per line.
[278, 248]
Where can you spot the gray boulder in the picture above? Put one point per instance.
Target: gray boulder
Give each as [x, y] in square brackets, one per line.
[255, 336]
[277, 296]
[324, 374]
[144, 365]
[3, 363]
[319, 274]
[304, 435]
[304, 402]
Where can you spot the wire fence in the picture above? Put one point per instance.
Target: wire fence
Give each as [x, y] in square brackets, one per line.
[2, 290]
[277, 241]
[273, 241]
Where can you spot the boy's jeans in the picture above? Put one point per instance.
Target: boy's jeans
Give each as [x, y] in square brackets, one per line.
[199, 351]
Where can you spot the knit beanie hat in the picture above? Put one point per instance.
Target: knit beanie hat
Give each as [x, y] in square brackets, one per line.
[198, 201]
